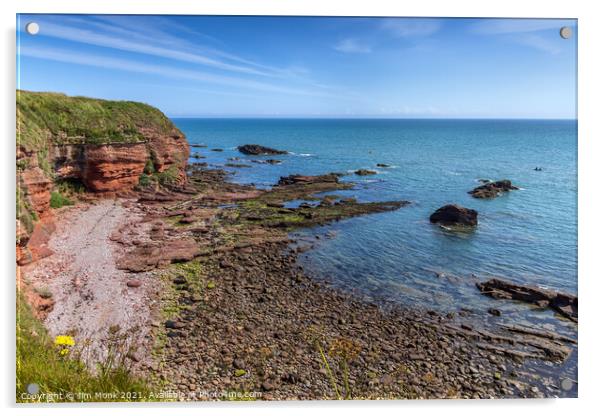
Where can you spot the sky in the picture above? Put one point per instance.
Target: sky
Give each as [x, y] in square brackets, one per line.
[238, 66]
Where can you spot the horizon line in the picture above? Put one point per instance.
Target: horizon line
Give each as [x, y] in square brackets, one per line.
[234, 117]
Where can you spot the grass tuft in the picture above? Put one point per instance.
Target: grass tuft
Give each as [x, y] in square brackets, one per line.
[39, 361]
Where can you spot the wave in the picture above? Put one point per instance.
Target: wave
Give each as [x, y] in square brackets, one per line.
[301, 154]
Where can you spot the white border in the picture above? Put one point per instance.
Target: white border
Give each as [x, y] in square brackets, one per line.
[590, 137]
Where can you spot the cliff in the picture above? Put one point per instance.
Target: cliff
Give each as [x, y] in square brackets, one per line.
[99, 146]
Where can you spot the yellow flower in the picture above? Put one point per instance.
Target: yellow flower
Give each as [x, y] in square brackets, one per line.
[64, 340]
[64, 351]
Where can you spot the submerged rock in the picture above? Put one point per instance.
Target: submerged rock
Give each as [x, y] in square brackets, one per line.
[365, 172]
[454, 215]
[492, 189]
[255, 149]
[562, 303]
[382, 165]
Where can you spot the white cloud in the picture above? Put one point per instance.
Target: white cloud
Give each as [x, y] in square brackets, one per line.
[525, 32]
[509, 26]
[410, 27]
[350, 45]
[99, 39]
[538, 42]
[164, 71]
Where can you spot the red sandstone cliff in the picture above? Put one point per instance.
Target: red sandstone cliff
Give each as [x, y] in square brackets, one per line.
[109, 168]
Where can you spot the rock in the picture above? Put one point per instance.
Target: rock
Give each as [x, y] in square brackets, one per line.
[237, 165]
[37, 189]
[306, 179]
[365, 172]
[255, 149]
[492, 189]
[267, 386]
[494, 312]
[217, 150]
[454, 215]
[179, 280]
[134, 283]
[152, 255]
[174, 324]
[382, 165]
[564, 304]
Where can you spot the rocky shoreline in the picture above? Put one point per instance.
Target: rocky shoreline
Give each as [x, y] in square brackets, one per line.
[244, 317]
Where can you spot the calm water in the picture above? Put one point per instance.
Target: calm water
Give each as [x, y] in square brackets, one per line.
[529, 236]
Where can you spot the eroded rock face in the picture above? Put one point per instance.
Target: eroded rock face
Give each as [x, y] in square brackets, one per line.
[113, 168]
[37, 188]
[168, 151]
[492, 189]
[255, 149]
[455, 215]
[117, 167]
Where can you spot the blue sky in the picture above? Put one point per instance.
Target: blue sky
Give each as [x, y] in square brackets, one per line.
[212, 66]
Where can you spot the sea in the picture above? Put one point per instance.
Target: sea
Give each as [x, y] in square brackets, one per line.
[528, 236]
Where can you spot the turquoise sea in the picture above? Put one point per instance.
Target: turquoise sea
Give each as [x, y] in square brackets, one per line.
[528, 236]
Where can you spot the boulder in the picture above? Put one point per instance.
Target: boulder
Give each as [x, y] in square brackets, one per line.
[492, 189]
[255, 149]
[454, 215]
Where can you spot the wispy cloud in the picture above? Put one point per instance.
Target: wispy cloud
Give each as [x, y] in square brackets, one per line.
[351, 45]
[526, 32]
[122, 43]
[513, 26]
[538, 42]
[410, 27]
[164, 71]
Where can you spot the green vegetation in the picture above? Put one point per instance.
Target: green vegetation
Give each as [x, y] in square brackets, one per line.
[45, 118]
[45, 363]
[70, 187]
[58, 200]
[168, 177]
[149, 168]
[25, 214]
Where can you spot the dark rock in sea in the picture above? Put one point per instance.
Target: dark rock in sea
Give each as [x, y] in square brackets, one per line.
[306, 179]
[492, 189]
[198, 145]
[365, 172]
[197, 156]
[484, 180]
[562, 303]
[454, 215]
[273, 161]
[538, 169]
[494, 312]
[217, 150]
[382, 165]
[255, 149]
[237, 165]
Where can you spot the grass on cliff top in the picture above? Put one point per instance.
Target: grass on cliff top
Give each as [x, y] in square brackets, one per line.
[51, 118]
[39, 361]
